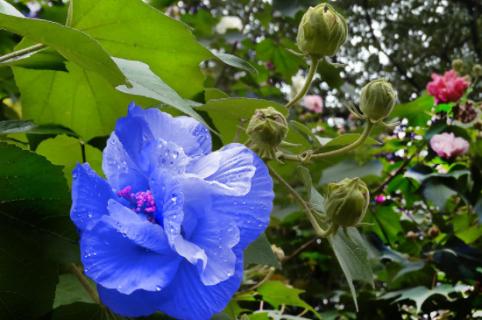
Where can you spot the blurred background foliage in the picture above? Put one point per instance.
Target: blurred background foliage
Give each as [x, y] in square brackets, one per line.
[423, 232]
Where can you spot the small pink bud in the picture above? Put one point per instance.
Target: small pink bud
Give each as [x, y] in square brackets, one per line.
[313, 103]
[380, 198]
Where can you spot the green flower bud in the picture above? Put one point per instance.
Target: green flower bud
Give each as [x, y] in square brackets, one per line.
[322, 31]
[266, 130]
[477, 70]
[346, 202]
[377, 100]
[458, 65]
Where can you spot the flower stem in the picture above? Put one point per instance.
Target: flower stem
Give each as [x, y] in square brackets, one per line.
[21, 52]
[366, 132]
[303, 157]
[76, 270]
[311, 73]
[319, 231]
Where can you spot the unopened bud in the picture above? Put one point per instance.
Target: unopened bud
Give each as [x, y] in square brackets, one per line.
[477, 70]
[266, 130]
[346, 202]
[458, 65]
[322, 31]
[377, 100]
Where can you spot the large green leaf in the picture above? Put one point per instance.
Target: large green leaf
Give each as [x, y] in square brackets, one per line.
[352, 256]
[74, 45]
[131, 29]
[147, 84]
[350, 169]
[34, 230]
[80, 100]
[415, 111]
[231, 115]
[27, 279]
[67, 152]
[35, 201]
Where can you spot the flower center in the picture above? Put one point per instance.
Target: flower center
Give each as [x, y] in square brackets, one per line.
[141, 202]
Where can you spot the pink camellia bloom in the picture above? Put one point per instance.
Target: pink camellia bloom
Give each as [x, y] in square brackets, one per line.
[446, 145]
[313, 103]
[447, 88]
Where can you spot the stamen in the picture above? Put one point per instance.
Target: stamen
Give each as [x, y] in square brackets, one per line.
[142, 202]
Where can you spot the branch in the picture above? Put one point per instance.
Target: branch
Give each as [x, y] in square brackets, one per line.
[319, 231]
[21, 52]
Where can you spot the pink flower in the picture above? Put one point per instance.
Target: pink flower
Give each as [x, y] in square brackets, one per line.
[446, 145]
[380, 198]
[447, 88]
[313, 103]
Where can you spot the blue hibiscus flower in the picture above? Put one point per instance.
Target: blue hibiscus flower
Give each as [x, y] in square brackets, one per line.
[167, 230]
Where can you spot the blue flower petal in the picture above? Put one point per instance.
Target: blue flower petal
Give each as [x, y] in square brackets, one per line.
[228, 171]
[137, 304]
[249, 210]
[186, 132]
[188, 298]
[125, 252]
[217, 238]
[170, 199]
[119, 168]
[90, 194]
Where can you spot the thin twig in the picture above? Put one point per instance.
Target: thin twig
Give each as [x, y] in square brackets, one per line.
[395, 173]
[84, 282]
[300, 249]
[319, 231]
[260, 283]
[304, 157]
[21, 52]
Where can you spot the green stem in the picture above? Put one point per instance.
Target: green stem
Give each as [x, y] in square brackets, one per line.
[84, 282]
[361, 139]
[319, 231]
[311, 73]
[21, 52]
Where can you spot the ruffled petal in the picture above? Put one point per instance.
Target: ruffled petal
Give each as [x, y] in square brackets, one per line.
[217, 238]
[250, 212]
[137, 304]
[90, 194]
[119, 168]
[228, 171]
[125, 252]
[168, 194]
[186, 132]
[188, 298]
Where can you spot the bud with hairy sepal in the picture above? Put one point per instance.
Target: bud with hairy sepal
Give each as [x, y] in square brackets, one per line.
[477, 70]
[322, 31]
[266, 130]
[458, 65]
[377, 100]
[346, 202]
